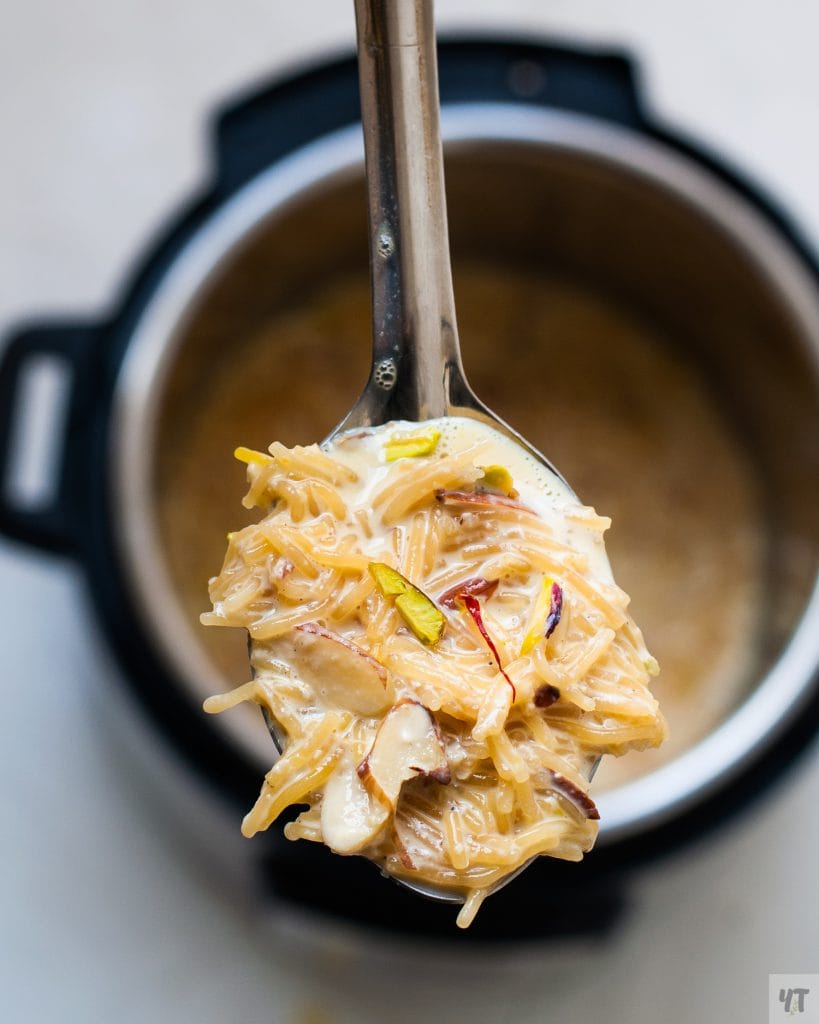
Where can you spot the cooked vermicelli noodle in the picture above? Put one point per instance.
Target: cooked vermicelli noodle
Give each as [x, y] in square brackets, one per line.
[436, 630]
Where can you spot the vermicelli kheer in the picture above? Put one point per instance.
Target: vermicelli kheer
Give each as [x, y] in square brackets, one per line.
[436, 629]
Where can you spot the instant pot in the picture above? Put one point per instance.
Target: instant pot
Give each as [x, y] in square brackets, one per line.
[554, 164]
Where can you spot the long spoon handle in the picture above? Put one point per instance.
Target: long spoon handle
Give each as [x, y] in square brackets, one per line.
[415, 335]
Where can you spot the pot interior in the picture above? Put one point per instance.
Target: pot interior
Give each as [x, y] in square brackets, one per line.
[622, 329]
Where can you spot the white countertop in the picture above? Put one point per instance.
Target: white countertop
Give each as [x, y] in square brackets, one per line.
[106, 914]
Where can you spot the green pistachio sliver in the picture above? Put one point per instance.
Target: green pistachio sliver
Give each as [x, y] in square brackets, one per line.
[419, 612]
[409, 446]
[498, 478]
[388, 580]
[538, 618]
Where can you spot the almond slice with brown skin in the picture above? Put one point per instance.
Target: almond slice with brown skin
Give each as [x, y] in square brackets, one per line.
[579, 799]
[341, 673]
[406, 745]
[480, 500]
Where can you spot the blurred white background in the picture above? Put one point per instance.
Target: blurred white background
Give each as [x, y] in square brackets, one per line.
[106, 916]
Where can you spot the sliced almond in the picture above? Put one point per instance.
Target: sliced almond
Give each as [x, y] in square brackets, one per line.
[480, 500]
[407, 744]
[351, 817]
[341, 674]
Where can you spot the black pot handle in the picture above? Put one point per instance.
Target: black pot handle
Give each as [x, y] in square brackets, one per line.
[254, 132]
[50, 524]
[599, 83]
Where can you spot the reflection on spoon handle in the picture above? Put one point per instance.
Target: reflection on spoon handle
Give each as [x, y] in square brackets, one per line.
[415, 336]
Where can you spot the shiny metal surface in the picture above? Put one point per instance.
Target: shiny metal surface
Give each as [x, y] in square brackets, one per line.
[664, 234]
[416, 359]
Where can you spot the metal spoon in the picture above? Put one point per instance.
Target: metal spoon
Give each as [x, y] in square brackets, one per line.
[416, 371]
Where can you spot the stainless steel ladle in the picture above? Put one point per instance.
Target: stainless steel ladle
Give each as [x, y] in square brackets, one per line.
[416, 371]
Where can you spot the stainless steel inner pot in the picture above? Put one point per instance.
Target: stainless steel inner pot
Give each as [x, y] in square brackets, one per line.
[564, 195]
